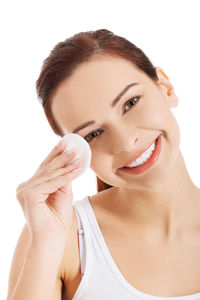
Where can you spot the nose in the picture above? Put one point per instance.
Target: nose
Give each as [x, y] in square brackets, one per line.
[124, 141]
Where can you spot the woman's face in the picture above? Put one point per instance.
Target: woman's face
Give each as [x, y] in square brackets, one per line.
[124, 129]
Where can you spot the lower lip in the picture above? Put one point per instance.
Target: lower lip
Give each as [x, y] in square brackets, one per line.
[147, 164]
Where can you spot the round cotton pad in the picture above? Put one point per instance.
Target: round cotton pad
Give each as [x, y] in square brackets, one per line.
[73, 140]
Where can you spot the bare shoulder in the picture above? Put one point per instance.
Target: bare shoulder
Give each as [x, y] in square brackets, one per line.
[71, 265]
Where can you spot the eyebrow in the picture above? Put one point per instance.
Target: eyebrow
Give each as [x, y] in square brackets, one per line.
[113, 103]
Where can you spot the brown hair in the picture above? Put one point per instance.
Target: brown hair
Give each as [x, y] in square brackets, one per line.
[81, 47]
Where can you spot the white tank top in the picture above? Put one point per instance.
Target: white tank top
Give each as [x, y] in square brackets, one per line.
[101, 278]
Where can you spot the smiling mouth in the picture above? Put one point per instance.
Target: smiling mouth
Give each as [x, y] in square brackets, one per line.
[143, 167]
[140, 153]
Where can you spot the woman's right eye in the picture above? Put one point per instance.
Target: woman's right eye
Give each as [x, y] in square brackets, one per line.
[93, 135]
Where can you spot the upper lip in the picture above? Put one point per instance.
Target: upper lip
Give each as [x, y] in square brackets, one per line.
[133, 158]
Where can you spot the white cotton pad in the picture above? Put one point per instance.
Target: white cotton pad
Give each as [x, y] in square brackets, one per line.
[73, 140]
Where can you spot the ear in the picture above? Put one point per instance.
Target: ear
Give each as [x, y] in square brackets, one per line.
[166, 88]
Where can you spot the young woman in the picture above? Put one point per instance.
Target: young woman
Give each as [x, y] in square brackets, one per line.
[139, 235]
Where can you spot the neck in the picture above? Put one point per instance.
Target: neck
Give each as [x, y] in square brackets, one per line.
[166, 210]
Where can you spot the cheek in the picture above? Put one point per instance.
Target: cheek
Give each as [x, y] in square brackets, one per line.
[99, 163]
[153, 112]
[158, 115]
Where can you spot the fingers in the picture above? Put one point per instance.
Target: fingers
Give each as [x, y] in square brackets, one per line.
[50, 184]
[61, 160]
[53, 173]
[58, 149]
[54, 183]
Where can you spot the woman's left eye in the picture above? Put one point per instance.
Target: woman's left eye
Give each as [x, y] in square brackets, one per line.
[132, 101]
[94, 133]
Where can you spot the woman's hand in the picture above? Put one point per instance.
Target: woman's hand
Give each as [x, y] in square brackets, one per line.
[47, 199]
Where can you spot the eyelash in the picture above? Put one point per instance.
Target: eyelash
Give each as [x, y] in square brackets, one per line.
[100, 130]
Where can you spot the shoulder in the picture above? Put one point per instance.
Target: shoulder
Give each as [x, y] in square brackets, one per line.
[71, 258]
[70, 272]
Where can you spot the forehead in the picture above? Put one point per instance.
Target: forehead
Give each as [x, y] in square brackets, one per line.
[96, 81]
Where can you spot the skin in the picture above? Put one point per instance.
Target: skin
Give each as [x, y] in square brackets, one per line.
[163, 201]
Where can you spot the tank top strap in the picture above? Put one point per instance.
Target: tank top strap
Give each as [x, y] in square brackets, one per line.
[84, 237]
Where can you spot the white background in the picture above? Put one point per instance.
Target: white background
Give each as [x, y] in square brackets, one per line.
[167, 31]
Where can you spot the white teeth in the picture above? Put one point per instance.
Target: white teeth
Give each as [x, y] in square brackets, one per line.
[140, 160]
